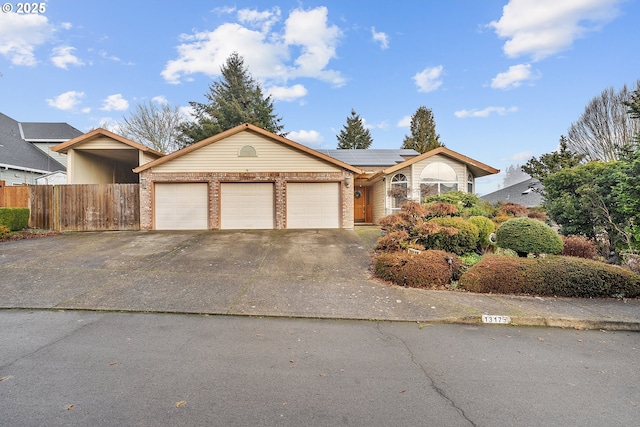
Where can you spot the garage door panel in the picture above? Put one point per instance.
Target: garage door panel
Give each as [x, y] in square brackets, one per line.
[313, 205]
[181, 206]
[247, 206]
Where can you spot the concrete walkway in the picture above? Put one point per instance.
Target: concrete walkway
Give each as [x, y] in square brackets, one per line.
[292, 273]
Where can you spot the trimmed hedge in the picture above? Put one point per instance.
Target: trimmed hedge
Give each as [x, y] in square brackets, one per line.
[526, 235]
[551, 276]
[465, 240]
[14, 218]
[429, 269]
[485, 228]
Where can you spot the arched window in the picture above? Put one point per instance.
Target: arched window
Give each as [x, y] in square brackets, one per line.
[437, 178]
[470, 184]
[247, 151]
[399, 190]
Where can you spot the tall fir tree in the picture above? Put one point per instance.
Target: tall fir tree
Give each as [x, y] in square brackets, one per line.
[233, 100]
[354, 135]
[553, 162]
[423, 136]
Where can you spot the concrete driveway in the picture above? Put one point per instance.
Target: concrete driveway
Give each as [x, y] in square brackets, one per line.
[311, 273]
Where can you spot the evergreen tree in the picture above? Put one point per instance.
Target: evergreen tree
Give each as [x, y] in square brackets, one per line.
[553, 162]
[423, 136]
[233, 100]
[354, 135]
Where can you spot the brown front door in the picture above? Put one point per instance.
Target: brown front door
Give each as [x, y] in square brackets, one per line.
[360, 204]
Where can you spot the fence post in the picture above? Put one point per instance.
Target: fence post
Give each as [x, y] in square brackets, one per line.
[1, 192]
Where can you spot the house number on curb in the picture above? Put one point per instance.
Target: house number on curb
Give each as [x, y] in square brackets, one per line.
[486, 318]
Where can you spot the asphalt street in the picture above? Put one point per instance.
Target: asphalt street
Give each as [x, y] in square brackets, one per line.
[81, 368]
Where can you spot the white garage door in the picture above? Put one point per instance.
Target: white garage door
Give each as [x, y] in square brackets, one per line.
[313, 205]
[181, 206]
[246, 206]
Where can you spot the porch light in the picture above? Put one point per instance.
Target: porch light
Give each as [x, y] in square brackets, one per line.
[347, 182]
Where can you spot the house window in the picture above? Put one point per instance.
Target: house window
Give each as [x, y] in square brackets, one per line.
[437, 178]
[247, 151]
[470, 184]
[398, 191]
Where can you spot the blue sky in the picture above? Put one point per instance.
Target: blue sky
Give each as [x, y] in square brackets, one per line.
[504, 78]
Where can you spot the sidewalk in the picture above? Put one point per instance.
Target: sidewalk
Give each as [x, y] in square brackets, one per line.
[301, 273]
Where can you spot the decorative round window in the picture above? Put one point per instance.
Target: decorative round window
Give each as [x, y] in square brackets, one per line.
[357, 194]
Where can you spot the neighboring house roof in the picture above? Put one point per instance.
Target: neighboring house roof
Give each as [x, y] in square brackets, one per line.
[47, 132]
[17, 152]
[477, 168]
[371, 157]
[526, 193]
[66, 146]
[246, 128]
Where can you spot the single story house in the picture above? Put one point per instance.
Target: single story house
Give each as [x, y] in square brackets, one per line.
[391, 177]
[527, 193]
[24, 149]
[249, 178]
[103, 157]
[246, 178]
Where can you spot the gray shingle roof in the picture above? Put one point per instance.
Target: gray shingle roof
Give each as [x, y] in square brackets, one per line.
[48, 132]
[17, 152]
[526, 193]
[371, 157]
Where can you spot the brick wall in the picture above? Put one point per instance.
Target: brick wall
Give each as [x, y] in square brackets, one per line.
[279, 179]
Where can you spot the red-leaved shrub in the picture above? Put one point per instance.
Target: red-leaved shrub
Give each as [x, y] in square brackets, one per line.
[430, 269]
[579, 246]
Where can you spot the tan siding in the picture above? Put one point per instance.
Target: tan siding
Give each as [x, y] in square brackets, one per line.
[222, 156]
[379, 195]
[103, 143]
[86, 169]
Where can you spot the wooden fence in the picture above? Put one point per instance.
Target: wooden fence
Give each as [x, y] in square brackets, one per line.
[85, 207]
[14, 196]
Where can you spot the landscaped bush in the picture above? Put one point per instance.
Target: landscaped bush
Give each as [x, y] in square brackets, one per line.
[4, 232]
[579, 246]
[551, 275]
[512, 210]
[485, 228]
[14, 218]
[526, 235]
[440, 209]
[464, 240]
[429, 269]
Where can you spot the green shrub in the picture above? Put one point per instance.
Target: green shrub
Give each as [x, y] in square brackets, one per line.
[579, 246]
[429, 269]
[463, 241]
[526, 235]
[485, 228]
[552, 276]
[14, 218]
[4, 232]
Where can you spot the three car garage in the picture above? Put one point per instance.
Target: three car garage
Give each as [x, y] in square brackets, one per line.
[246, 178]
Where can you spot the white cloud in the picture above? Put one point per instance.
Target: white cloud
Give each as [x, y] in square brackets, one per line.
[404, 122]
[160, 99]
[381, 38]
[429, 79]
[115, 103]
[283, 93]
[20, 35]
[66, 100]
[307, 137]
[263, 20]
[187, 113]
[66, 25]
[513, 77]
[302, 47]
[540, 28]
[501, 111]
[63, 56]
